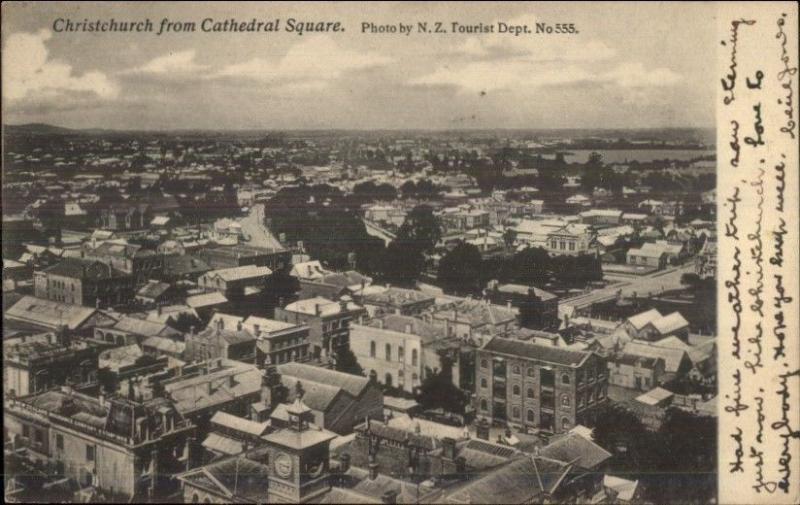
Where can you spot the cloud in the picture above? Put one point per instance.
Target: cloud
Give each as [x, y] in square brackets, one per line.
[177, 63]
[30, 74]
[315, 61]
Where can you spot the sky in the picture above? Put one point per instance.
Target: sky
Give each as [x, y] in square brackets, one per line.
[632, 65]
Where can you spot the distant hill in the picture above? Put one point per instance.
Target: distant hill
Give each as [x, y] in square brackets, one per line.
[37, 129]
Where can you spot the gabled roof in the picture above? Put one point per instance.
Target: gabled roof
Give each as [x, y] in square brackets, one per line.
[240, 424]
[640, 320]
[574, 448]
[144, 327]
[672, 357]
[240, 273]
[353, 384]
[670, 323]
[206, 300]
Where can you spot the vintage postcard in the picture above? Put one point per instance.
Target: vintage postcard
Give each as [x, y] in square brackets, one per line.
[400, 252]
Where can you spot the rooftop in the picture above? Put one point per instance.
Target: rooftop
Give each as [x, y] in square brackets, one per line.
[528, 350]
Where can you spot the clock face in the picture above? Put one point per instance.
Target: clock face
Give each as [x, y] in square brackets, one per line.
[283, 465]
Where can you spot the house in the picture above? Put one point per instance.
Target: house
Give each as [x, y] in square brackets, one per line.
[631, 371]
[220, 341]
[338, 401]
[142, 264]
[578, 199]
[541, 386]
[333, 285]
[309, 270]
[183, 268]
[220, 257]
[206, 304]
[534, 232]
[153, 293]
[278, 342]
[601, 217]
[232, 282]
[329, 322]
[573, 239]
[676, 361]
[132, 330]
[467, 318]
[653, 257]
[651, 326]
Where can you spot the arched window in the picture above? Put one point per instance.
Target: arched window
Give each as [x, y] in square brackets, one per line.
[414, 357]
[565, 400]
[531, 417]
[531, 372]
[484, 384]
[515, 390]
[388, 352]
[564, 423]
[600, 393]
[372, 350]
[195, 498]
[515, 370]
[401, 353]
[531, 394]
[515, 412]
[120, 340]
[484, 407]
[414, 378]
[400, 375]
[388, 380]
[484, 363]
[565, 379]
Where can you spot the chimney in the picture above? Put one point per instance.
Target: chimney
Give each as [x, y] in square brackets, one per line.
[257, 329]
[408, 328]
[389, 497]
[343, 305]
[316, 309]
[380, 323]
[373, 376]
[373, 470]
[344, 463]
[231, 380]
[239, 326]
[220, 324]
[191, 330]
[158, 309]
[508, 305]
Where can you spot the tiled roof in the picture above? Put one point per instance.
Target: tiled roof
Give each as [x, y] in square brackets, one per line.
[239, 424]
[672, 357]
[325, 307]
[550, 354]
[77, 268]
[572, 447]
[670, 323]
[206, 300]
[353, 384]
[49, 314]
[193, 393]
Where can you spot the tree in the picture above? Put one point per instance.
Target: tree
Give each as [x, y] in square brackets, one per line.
[531, 266]
[421, 228]
[346, 362]
[402, 262]
[460, 270]
[184, 322]
[438, 391]
[509, 237]
[280, 289]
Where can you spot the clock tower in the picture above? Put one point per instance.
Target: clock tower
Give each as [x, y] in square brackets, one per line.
[298, 457]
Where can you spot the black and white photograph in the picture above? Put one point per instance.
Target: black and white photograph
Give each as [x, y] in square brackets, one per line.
[389, 253]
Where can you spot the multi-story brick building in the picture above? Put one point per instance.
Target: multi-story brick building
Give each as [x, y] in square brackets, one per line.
[82, 282]
[539, 386]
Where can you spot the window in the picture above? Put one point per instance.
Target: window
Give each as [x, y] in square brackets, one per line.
[89, 453]
[484, 384]
[515, 370]
[530, 393]
[414, 378]
[401, 353]
[515, 412]
[388, 352]
[565, 379]
[39, 436]
[414, 357]
[564, 423]
[515, 390]
[531, 372]
[580, 377]
[195, 498]
[565, 400]
[372, 349]
[484, 363]
[400, 375]
[572, 246]
[60, 442]
[531, 417]
[563, 245]
[601, 393]
[26, 431]
[484, 407]
[580, 400]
